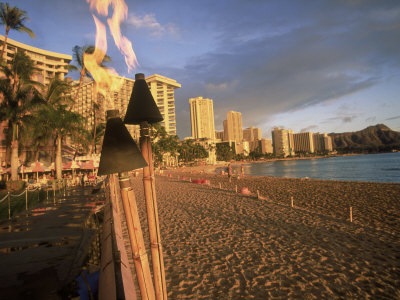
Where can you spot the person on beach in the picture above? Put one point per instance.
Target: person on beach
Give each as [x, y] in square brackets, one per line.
[229, 170]
[241, 171]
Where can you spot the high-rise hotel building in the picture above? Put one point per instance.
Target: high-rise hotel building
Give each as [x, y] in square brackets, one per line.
[233, 130]
[283, 142]
[202, 118]
[322, 142]
[303, 142]
[49, 64]
[253, 136]
[119, 100]
[162, 90]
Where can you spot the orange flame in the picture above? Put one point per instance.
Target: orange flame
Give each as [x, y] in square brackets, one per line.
[107, 79]
[120, 13]
[123, 44]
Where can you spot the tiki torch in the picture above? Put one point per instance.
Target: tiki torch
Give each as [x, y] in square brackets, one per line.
[143, 110]
[121, 154]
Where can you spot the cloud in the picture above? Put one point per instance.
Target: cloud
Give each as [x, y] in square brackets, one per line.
[371, 119]
[315, 54]
[347, 119]
[342, 118]
[220, 87]
[392, 118]
[309, 128]
[148, 22]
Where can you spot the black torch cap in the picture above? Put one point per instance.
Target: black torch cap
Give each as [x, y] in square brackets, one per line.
[120, 152]
[142, 107]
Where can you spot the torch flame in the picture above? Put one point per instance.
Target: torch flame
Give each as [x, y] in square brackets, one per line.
[120, 13]
[107, 79]
[123, 44]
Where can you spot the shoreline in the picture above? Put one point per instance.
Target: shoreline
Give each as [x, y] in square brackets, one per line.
[221, 165]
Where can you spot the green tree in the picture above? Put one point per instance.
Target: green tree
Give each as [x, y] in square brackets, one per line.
[224, 152]
[13, 18]
[19, 97]
[190, 151]
[255, 155]
[57, 120]
[96, 135]
[163, 143]
[78, 54]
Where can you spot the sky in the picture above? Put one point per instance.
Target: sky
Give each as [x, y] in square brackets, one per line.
[319, 66]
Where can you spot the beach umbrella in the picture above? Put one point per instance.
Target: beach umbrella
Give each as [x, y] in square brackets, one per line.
[72, 165]
[36, 168]
[23, 170]
[89, 165]
[75, 165]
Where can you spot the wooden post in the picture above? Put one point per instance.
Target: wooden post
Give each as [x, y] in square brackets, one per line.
[26, 199]
[351, 214]
[220, 186]
[258, 194]
[54, 194]
[157, 258]
[236, 188]
[136, 237]
[291, 200]
[9, 206]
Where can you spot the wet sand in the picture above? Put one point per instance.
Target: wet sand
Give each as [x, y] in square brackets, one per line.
[222, 245]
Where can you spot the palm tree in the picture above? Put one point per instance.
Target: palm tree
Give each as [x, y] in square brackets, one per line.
[78, 55]
[56, 119]
[96, 135]
[19, 97]
[13, 18]
[35, 135]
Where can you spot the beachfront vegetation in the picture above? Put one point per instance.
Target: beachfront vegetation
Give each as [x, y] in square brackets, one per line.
[169, 145]
[19, 93]
[56, 121]
[12, 18]
[162, 143]
[224, 152]
[190, 151]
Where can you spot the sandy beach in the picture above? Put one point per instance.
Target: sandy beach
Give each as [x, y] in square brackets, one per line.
[219, 244]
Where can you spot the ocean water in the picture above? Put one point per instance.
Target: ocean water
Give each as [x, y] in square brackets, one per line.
[383, 167]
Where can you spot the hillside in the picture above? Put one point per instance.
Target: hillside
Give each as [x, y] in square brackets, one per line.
[378, 138]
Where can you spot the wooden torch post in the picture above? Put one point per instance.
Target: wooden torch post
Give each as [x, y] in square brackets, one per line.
[152, 213]
[120, 154]
[136, 237]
